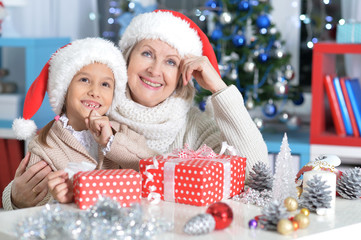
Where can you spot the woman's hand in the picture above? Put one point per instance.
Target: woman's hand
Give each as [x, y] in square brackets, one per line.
[203, 71]
[100, 127]
[29, 186]
[60, 186]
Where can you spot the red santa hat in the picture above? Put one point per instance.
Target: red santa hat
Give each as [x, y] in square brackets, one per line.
[171, 27]
[59, 71]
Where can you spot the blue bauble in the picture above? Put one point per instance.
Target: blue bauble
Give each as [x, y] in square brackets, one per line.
[239, 40]
[263, 21]
[263, 57]
[300, 99]
[270, 110]
[211, 4]
[202, 106]
[217, 34]
[243, 5]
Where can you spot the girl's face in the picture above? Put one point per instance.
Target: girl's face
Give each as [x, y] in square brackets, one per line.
[91, 88]
[153, 72]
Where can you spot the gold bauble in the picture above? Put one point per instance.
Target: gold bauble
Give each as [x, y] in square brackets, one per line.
[305, 211]
[291, 204]
[299, 191]
[285, 226]
[303, 220]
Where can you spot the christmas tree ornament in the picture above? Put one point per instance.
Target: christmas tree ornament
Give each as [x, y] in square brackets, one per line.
[288, 72]
[283, 116]
[285, 227]
[263, 21]
[271, 214]
[249, 103]
[243, 5]
[299, 99]
[284, 178]
[254, 197]
[305, 211]
[302, 220]
[259, 123]
[200, 224]
[270, 109]
[295, 225]
[315, 194]
[252, 224]
[294, 122]
[233, 74]
[281, 88]
[279, 53]
[225, 18]
[349, 184]
[223, 68]
[211, 4]
[217, 34]
[249, 66]
[239, 40]
[263, 57]
[261, 177]
[291, 204]
[272, 31]
[221, 213]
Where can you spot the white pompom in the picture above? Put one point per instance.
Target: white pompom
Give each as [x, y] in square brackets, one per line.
[24, 129]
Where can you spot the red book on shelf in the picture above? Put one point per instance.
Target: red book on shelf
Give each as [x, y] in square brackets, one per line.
[334, 106]
[356, 132]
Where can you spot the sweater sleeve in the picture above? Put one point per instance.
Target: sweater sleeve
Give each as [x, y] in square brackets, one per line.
[128, 148]
[238, 128]
[6, 198]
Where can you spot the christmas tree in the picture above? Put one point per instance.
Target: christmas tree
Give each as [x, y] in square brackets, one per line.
[251, 54]
[284, 184]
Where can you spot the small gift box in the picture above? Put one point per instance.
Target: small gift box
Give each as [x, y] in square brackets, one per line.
[122, 185]
[348, 33]
[193, 177]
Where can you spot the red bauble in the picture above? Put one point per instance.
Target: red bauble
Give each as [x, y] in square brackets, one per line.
[222, 214]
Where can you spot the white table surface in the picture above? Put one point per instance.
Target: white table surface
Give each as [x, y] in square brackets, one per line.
[345, 223]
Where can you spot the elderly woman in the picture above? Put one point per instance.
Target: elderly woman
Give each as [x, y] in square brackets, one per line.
[164, 50]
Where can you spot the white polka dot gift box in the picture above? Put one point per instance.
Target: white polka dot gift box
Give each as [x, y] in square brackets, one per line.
[192, 177]
[122, 185]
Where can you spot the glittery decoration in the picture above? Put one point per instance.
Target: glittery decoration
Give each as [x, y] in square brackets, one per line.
[200, 224]
[254, 197]
[252, 224]
[105, 220]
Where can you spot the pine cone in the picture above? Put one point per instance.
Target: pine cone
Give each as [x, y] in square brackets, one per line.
[200, 224]
[271, 214]
[261, 177]
[349, 185]
[315, 196]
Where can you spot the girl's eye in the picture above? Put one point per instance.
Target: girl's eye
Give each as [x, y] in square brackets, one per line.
[106, 84]
[84, 80]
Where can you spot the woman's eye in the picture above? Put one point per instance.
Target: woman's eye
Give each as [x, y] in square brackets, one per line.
[147, 54]
[172, 62]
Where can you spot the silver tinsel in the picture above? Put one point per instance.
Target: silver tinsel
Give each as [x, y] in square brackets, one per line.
[271, 214]
[254, 197]
[315, 196]
[105, 220]
[200, 224]
[349, 185]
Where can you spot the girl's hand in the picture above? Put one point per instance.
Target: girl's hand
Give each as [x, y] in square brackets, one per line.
[60, 186]
[203, 71]
[100, 127]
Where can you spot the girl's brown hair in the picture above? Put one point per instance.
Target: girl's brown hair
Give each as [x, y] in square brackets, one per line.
[43, 133]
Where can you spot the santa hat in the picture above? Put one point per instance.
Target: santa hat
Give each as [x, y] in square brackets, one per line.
[171, 27]
[59, 71]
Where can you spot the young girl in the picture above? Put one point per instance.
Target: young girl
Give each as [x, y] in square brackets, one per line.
[83, 79]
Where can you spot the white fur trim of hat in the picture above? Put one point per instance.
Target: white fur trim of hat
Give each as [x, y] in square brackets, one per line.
[163, 26]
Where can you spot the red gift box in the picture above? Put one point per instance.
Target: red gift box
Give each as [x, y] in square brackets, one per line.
[192, 177]
[122, 185]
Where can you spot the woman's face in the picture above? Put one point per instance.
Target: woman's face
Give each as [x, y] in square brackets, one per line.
[153, 72]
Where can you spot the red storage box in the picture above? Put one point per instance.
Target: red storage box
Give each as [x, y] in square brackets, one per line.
[122, 185]
[193, 178]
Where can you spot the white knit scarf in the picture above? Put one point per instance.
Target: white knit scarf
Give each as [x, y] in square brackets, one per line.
[159, 125]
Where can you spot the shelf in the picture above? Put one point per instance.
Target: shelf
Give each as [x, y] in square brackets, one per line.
[324, 62]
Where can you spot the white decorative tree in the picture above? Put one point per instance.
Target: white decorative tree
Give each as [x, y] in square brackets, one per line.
[284, 184]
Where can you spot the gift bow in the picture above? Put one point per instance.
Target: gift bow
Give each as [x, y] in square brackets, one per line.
[202, 152]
